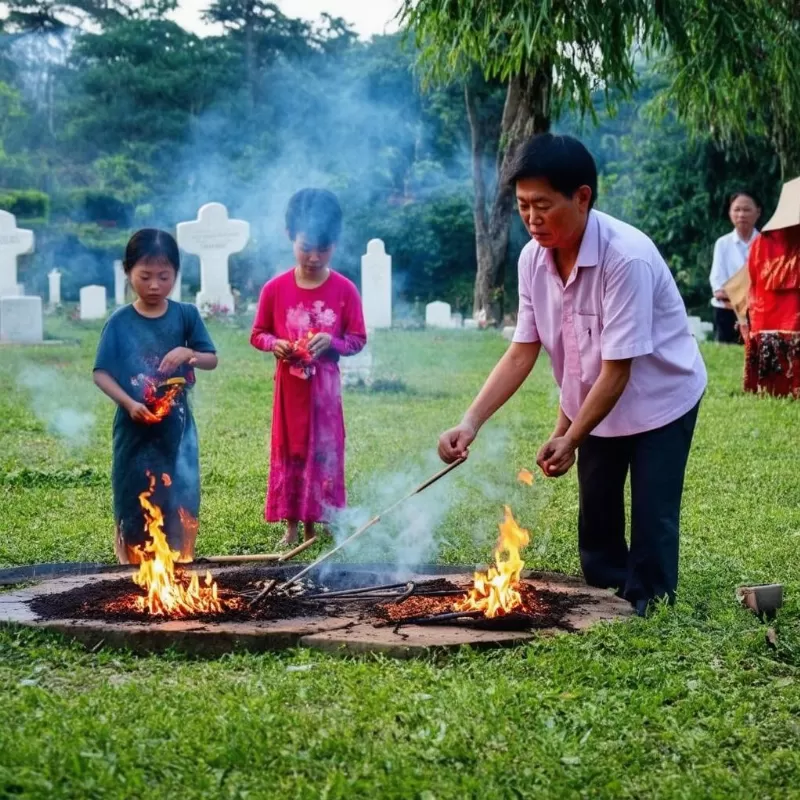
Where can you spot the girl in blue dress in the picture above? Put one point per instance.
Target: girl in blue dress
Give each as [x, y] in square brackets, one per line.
[145, 363]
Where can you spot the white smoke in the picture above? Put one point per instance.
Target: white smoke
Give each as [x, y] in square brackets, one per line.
[71, 420]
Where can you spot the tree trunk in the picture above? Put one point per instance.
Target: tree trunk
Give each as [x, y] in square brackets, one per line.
[526, 112]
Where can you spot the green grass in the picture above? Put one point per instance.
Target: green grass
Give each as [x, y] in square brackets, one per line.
[689, 703]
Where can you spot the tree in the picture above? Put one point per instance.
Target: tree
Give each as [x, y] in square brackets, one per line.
[262, 32]
[734, 69]
[548, 55]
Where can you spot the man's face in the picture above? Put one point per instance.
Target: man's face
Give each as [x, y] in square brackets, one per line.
[552, 219]
[744, 213]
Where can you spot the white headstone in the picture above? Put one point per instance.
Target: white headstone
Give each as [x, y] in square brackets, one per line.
[54, 279]
[457, 320]
[438, 315]
[357, 369]
[21, 320]
[14, 242]
[470, 324]
[376, 285]
[699, 329]
[214, 237]
[120, 281]
[93, 302]
[508, 332]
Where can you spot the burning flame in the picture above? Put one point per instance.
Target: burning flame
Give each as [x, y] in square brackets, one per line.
[525, 476]
[160, 406]
[495, 592]
[190, 527]
[167, 595]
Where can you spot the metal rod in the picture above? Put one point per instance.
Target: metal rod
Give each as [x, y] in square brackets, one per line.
[349, 592]
[433, 618]
[407, 593]
[364, 528]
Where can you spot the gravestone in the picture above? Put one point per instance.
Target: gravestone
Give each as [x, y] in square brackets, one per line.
[54, 281]
[21, 320]
[213, 237]
[470, 324]
[376, 286]
[357, 370]
[438, 315]
[699, 329]
[14, 242]
[508, 332]
[120, 282]
[457, 320]
[93, 302]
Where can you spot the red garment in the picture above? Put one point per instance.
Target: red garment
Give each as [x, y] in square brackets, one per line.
[774, 266]
[772, 362]
[306, 474]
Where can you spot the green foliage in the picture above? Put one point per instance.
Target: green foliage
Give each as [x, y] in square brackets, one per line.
[733, 71]
[675, 187]
[25, 204]
[692, 702]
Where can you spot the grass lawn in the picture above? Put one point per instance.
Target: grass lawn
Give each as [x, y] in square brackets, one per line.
[689, 703]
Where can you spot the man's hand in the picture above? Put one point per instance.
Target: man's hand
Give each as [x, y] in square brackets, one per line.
[141, 413]
[174, 359]
[319, 344]
[282, 349]
[454, 444]
[556, 456]
[721, 295]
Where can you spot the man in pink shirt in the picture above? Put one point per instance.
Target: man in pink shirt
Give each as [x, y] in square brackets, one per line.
[598, 296]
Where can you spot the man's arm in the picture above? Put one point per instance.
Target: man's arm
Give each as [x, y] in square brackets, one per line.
[504, 380]
[558, 455]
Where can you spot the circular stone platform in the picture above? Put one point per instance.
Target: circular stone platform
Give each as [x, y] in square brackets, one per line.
[337, 633]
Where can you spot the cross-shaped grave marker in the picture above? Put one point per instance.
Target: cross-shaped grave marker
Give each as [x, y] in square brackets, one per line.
[214, 238]
[14, 242]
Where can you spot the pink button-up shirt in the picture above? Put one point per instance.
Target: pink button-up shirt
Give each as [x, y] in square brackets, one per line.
[620, 302]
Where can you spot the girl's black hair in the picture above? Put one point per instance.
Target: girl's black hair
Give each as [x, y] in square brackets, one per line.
[563, 161]
[151, 244]
[743, 193]
[316, 214]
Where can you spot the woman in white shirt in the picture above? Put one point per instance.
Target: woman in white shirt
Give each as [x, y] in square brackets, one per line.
[730, 255]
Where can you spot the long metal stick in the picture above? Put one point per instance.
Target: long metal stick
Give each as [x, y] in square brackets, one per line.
[364, 528]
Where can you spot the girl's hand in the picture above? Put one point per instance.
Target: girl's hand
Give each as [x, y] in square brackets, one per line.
[174, 359]
[140, 413]
[282, 349]
[319, 344]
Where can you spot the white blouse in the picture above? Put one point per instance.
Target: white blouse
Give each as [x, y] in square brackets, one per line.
[730, 255]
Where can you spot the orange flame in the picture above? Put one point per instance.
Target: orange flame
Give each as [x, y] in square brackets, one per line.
[190, 527]
[160, 406]
[167, 595]
[495, 592]
[525, 476]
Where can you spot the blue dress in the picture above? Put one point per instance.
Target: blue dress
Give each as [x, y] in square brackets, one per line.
[130, 350]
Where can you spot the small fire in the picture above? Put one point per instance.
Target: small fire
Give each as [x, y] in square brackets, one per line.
[166, 594]
[161, 405]
[495, 592]
[525, 476]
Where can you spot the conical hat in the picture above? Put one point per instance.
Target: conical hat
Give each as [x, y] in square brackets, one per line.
[787, 214]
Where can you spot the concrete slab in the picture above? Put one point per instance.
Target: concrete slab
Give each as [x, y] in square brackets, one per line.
[341, 632]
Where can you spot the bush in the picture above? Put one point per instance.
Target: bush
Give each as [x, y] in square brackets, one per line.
[25, 204]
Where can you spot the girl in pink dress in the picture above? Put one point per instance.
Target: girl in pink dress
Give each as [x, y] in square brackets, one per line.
[308, 317]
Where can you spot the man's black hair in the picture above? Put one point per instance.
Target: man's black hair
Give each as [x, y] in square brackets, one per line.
[562, 161]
